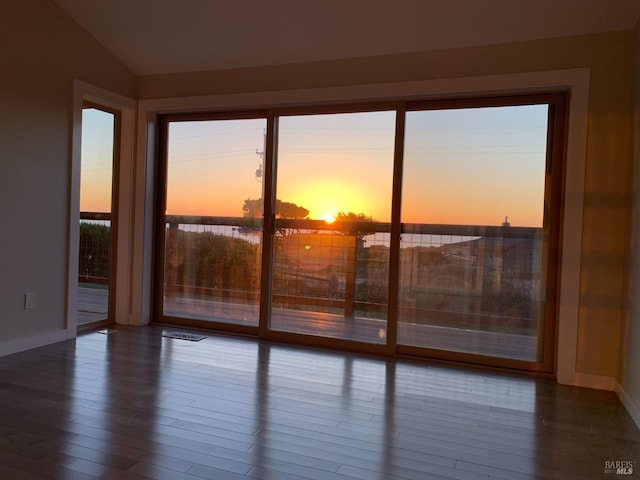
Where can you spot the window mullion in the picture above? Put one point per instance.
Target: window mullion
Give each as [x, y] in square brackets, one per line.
[269, 195]
[394, 256]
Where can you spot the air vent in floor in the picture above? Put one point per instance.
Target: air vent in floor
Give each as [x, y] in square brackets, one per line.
[192, 337]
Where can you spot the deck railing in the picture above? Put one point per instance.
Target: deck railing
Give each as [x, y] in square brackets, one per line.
[467, 268]
[94, 248]
[477, 270]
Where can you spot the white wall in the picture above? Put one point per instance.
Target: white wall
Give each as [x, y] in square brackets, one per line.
[42, 52]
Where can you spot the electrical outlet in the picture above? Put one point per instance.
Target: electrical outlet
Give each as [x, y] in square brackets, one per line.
[29, 301]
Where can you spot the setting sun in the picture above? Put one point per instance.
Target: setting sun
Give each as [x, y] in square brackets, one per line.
[329, 218]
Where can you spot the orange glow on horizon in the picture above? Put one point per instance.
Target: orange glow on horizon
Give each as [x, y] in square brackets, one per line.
[325, 198]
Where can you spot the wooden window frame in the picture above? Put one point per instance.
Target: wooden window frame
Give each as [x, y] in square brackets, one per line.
[558, 101]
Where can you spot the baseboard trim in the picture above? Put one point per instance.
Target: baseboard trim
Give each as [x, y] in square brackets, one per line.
[599, 382]
[632, 407]
[34, 341]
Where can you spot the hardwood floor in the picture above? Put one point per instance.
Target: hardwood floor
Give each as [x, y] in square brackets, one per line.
[134, 404]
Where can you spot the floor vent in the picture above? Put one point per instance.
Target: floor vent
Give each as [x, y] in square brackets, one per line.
[192, 337]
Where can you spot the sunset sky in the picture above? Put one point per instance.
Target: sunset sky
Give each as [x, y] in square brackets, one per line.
[475, 166]
[96, 161]
[465, 166]
[212, 165]
[337, 163]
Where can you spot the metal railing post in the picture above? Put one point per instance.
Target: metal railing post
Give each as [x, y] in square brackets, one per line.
[172, 261]
[350, 283]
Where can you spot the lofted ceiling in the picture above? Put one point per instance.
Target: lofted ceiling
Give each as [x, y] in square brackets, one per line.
[171, 36]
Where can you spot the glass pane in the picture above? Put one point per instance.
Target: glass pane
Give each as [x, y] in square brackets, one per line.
[471, 258]
[213, 236]
[331, 253]
[96, 175]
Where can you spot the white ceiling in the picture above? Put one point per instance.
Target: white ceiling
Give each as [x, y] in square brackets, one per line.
[169, 36]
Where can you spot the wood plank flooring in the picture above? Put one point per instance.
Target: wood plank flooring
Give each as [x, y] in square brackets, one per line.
[136, 405]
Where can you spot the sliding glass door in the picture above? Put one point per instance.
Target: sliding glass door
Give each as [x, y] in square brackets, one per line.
[332, 216]
[425, 228]
[211, 228]
[472, 256]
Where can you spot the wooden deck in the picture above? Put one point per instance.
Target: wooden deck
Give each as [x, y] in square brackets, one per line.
[92, 304]
[497, 344]
[134, 405]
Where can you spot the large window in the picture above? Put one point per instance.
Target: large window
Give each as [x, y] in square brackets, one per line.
[428, 228]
